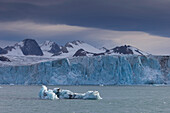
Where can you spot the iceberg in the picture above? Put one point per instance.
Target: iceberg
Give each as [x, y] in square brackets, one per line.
[47, 94]
[57, 93]
[92, 95]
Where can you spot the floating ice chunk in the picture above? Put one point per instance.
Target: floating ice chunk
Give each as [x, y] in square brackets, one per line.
[42, 92]
[50, 95]
[55, 90]
[11, 84]
[67, 94]
[92, 95]
[47, 94]
[101, 85]
[79, 95]
[64, 94]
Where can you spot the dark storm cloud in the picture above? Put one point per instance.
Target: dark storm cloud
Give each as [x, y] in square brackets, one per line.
[152, 16]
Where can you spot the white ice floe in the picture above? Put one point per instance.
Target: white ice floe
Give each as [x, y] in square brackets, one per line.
[67, 94]
[47, 94]
[92, 95]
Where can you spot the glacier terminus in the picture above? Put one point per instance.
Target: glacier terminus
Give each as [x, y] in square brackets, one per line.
[93, 70]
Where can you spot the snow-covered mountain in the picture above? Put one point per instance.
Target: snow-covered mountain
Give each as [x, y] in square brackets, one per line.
[25, 51]
[14, 50]
[50, 48]
[126, 49]
[73, 47]
[24, 48]
[120, 50]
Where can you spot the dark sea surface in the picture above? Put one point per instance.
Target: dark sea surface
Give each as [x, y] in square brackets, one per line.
[116, 99]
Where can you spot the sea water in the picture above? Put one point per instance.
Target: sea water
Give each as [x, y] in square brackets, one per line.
[116, 99]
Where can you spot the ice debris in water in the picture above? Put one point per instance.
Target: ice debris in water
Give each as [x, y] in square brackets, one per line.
[92, 95]
[47, 94]
[67, 94]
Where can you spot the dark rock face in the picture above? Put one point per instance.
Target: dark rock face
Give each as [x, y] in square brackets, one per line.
[119, 49]
[55, 49]
[31, 47]
[76, 42]
[2, 58]
[139, 52]
[56, 54]
[64, 49]
[3, 51]
[104, 49]
[68, 45]
[80, 52]
[9, 48]
[98, 54]
[123, 50]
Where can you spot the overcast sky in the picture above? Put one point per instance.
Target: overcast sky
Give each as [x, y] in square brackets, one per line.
[144, 24]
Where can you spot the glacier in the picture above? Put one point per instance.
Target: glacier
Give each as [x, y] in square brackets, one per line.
[95, 70]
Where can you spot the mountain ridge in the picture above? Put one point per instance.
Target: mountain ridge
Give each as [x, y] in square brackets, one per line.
[29, 51]
[53, 49]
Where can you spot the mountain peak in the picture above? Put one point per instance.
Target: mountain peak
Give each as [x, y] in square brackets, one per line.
[31, 47]
[3, 51]
[46, 45]
[47, 42]
[123, 49]
[75, 42]
[128, 49]
[50, 48]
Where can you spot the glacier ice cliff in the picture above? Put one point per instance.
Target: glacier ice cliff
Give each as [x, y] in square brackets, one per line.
[105, 70]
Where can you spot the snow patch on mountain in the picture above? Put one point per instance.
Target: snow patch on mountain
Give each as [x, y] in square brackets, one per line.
[74, 46]
[16, 50]
[137, 51]
[46, 47]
